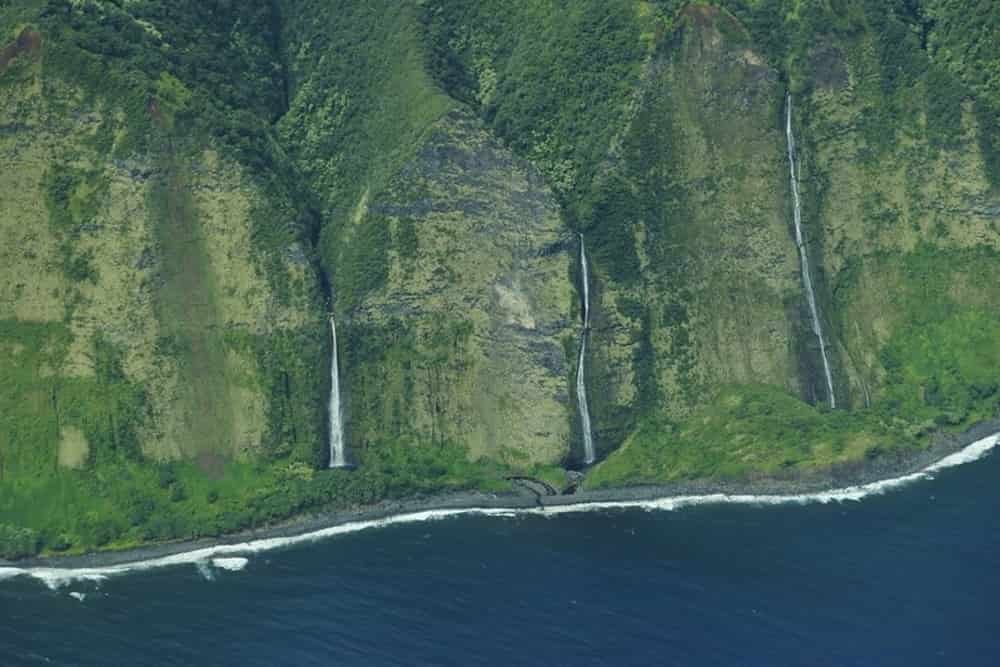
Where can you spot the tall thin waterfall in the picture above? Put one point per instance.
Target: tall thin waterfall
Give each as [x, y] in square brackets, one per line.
[337, 459]
[581, 381]
[817, 325]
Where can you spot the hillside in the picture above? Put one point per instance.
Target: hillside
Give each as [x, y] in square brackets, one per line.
[193, 188]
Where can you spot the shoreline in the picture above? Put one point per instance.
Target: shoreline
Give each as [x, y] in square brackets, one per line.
[843, 483]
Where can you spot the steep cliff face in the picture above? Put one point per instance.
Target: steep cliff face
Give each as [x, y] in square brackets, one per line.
[447, 256]
[900, 222]
[194, 188]
[146, 317]
[463, 342]
[147, 258]
[700, 279]
[907, 216]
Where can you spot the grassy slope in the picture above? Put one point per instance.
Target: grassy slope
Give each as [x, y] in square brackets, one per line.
[186, 306]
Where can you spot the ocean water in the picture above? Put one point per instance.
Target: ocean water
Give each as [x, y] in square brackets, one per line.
[907, 578]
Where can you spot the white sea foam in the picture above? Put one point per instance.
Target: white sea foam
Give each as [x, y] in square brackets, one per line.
[233, 556]
[232, 564]
[10, 572]
[56, 578]
[204, 570]
[78, 596]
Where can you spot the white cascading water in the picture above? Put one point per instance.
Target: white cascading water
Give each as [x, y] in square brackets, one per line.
[581, 383]
[336, 418]
[804, 256]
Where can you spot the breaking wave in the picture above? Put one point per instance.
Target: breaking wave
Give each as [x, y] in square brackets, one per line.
[231, 564]
[204, 570]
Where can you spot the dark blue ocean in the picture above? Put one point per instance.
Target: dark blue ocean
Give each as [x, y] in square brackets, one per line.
[910, 578]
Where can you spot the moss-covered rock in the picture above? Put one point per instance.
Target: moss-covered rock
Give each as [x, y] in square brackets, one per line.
[461, 341]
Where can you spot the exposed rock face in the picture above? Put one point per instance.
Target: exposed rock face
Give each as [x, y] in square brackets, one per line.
[464, 341]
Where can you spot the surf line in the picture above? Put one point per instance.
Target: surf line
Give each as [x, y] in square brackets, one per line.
[55, 578]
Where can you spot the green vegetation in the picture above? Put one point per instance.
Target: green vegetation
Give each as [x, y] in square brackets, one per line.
[745, 430]
[197, 182]
[353, 121]
[117, 498]
[963, 36]
[17, 542]
[941, 360]
[42, 414]
[552, 79]
[72, 202]
[124, 504]
[940, 367]
[944, 371]
[38, 404]
[211, 64]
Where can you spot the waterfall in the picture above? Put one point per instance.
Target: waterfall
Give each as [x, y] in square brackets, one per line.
[817, 326]
[581, 382]
[336, 417]
[586, 286]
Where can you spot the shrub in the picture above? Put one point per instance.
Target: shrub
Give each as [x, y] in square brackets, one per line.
[18, 542]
